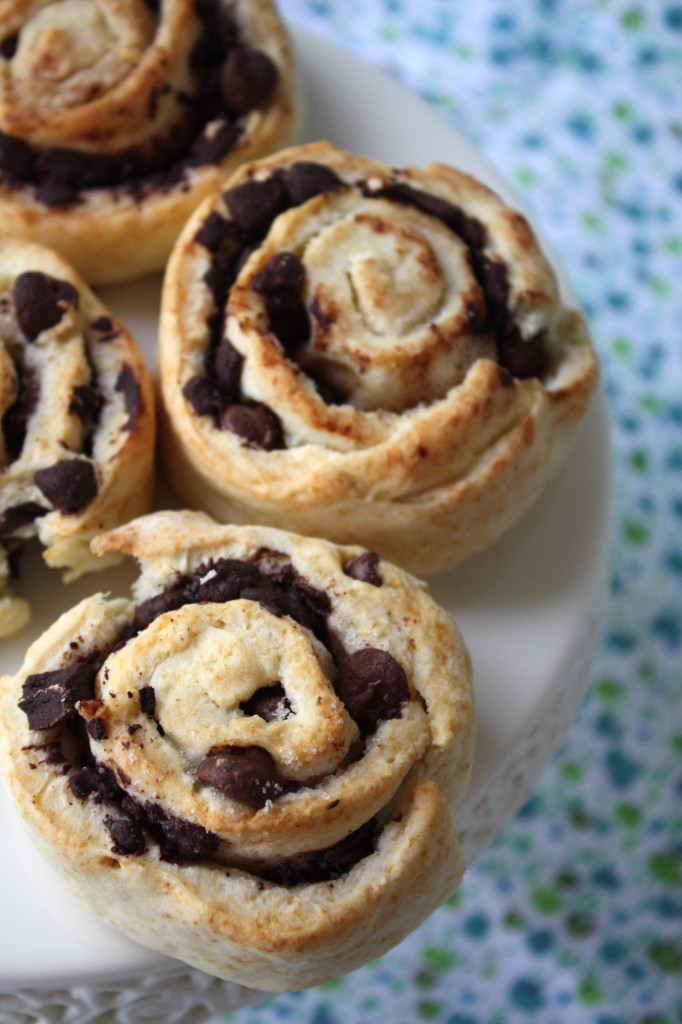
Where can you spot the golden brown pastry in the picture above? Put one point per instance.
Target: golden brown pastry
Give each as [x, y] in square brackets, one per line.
[118, 116]
[77, 413]
[253, 764]
[371, 355]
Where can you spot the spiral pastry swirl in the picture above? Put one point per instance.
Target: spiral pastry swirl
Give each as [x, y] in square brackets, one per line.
[77, 419]
[118, 116]
[371, 355]
[252, 764]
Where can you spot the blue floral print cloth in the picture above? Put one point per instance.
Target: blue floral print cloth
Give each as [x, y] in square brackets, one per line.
[574, 915]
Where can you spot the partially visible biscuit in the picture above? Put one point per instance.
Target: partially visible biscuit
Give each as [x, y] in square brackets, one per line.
[117, 119]
[77, 419]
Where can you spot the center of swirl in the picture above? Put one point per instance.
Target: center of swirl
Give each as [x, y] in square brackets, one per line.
[396, 314]
[71, 51]
[392, 270]
[224, 655]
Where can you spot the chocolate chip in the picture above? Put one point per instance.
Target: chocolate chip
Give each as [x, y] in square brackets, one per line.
[523, 358]
[255, 204]
[364, 568]
[127, 836]
[372, 686]
[265, 595]
[219, 278]
[70, 485]
[222, 580]
[269, 703]
[83, 782]
[131, 807]
[213, 232]
[8, 46]
[15, 518]
[288, 322]
[492, 277]
[202, 396]
[50, 698]
[227, 366]
[96, 729]
[105, 327]
[167, 601]
[183, 840]
[286, 593]
[307, 605]
[16, 158]
[324, 865]
[247, 79]
[283, 274]
[147, 696]
[281, 282]
[56, 193]
[317, 601]
[304, 180]
[256, 423]
[246, 774]
[93, 780]
[41, 301]
[128, 383]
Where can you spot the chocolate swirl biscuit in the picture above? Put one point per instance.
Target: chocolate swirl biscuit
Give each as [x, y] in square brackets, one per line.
[77, 419]
[118, 116]
[377, 356]
[254, 762]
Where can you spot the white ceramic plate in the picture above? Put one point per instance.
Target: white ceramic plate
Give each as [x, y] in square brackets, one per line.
[526, 607]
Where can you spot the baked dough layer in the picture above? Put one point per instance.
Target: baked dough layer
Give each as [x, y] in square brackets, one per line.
[373, 355]
[108, 141]
[77, 419]
[350, 845]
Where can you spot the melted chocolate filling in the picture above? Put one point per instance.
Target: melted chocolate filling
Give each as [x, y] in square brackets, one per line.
[40, 301]
[327, 864]
[231, 81]
[50, 698]
[270, 703]
[69, 485]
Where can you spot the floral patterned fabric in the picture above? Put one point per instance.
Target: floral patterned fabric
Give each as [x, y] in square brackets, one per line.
[574, 915]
